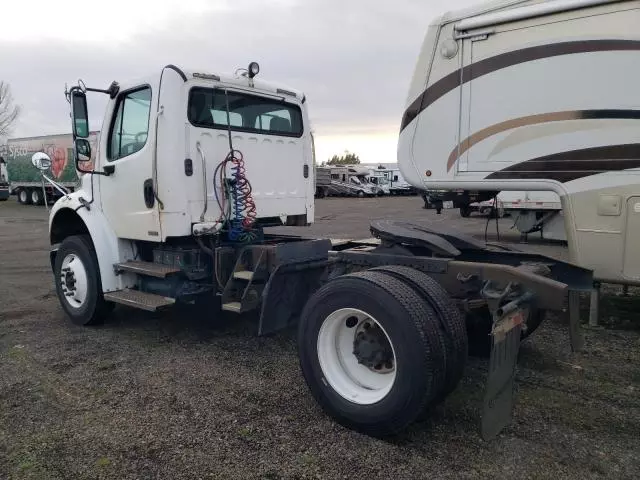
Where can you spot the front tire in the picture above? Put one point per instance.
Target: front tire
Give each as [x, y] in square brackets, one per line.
[78, 284]
[376, 379]
[465, 211]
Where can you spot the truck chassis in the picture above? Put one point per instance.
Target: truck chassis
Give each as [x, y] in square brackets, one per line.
[385, 324]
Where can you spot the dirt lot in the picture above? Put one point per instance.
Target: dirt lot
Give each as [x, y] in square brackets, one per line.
[170, 396]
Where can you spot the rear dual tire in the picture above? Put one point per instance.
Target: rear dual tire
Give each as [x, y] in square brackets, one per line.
[37, 198]
[23, 197]
[383, 398]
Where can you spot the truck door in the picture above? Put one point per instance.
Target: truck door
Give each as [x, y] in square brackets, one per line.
[127, 195]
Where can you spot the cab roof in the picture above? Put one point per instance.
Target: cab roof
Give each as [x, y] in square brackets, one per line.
[244, 82]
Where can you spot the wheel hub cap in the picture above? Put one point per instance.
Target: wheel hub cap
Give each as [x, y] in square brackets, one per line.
[372, 349]
[73, 280]
[356, 356]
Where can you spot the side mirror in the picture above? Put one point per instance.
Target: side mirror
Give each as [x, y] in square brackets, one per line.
[41, 161]
[83, 150]
[79, 114]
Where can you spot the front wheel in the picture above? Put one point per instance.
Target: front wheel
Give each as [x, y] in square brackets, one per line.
[78, 283]
[371, 352]
[465, 211]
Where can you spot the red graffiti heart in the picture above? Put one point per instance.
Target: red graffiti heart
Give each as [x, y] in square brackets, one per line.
[58, 162]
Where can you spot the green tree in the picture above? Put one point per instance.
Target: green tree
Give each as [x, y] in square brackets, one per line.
[347, 159]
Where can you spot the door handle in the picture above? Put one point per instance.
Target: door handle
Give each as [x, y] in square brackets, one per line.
[149, 195]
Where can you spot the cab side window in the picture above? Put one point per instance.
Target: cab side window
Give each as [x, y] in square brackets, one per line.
[130, 125]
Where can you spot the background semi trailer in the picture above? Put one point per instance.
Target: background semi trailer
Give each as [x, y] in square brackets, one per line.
[24, 182]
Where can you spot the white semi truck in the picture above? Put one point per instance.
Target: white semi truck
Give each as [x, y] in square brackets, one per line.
[186, 180]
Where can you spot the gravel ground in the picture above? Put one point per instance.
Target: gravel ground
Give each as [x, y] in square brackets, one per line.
[171, 396]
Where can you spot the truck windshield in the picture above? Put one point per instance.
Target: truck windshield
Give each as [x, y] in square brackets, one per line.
[247, 113]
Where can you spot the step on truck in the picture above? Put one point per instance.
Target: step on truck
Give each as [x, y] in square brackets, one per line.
[176, 209]
[26, 184]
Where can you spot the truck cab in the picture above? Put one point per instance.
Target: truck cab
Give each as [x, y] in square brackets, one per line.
[165, 134]
[183, 157]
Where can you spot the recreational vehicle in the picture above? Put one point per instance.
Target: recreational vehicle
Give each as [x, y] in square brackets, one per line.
[352, 180]
[546, 99]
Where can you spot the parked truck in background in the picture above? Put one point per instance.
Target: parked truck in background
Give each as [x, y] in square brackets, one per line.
[20, 178]
[4, 184]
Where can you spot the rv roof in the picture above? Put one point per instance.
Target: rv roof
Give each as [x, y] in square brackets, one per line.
[501, 11]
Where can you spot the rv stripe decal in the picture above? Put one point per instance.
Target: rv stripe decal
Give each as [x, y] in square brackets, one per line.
[505, 60]
[485, 133]
[574, 164]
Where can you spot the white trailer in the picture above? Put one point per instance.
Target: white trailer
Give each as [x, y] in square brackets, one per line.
[173, 210]
[536, 96]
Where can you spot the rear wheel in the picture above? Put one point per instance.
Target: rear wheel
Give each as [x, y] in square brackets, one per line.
[371, 352]
[465, 211]
[78, 283]
[449, 315]
[361, 194]
[37, 197]
[24, 197]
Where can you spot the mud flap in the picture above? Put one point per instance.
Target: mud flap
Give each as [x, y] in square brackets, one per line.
[498, 398]
[286, 293]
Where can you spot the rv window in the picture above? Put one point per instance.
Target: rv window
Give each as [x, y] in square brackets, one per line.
[395, 178]
[248, 113]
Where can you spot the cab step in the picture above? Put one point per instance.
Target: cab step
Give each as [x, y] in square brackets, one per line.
[149, 269]
[243, 275]
[137, 299]
[235, 307]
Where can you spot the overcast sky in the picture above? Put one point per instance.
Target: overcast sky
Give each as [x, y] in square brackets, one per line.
[352, 58]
